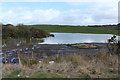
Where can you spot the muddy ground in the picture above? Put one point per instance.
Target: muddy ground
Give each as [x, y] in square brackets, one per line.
[45, 50]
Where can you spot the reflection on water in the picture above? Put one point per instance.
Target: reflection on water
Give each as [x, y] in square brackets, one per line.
[70, 38]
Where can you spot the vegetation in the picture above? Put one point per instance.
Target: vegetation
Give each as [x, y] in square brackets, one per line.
[83, 46]
[22, 31]
[13, 73]
[9, 32]
[101, 65]
[28, 62]
[46, 75]
[75, 29]
[113, 45]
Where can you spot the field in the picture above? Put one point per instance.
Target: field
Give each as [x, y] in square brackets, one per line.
[74, 29]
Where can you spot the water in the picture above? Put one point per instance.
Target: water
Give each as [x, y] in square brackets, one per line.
[60, 38]
[71, 38]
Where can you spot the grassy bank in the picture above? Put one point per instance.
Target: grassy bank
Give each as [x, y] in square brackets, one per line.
[74, 29]
[101, 65]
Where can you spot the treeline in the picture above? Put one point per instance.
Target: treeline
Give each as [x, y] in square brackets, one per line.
[22, 31]
[104, 25]
[113, 27]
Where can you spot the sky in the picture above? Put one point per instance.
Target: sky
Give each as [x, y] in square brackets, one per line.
[64, 13]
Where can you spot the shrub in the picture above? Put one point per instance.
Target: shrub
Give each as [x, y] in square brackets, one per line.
[112, 45]
[22, 31]
[9, 32]
[38, 33]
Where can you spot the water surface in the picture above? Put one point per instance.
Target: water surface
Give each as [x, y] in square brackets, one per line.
[71, 38]
[60, 38]
[43, 51]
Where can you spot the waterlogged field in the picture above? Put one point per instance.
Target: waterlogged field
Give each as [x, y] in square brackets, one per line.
[53, 57]
[74, 29]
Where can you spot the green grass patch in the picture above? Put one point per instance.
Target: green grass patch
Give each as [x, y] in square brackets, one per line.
[84, 46]
[14, 74]
[74, 29]
[46, 75]
[84, 76]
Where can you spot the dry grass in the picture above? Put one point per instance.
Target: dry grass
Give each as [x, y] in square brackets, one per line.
[101, 65]
[7, 69]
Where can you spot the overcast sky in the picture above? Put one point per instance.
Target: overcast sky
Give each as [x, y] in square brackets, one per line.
[67, 13]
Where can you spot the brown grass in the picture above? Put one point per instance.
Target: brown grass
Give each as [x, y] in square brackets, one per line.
[101, 65]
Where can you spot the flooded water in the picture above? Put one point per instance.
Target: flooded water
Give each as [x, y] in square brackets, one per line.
[71, 38]
[11, 47]
[60, 38]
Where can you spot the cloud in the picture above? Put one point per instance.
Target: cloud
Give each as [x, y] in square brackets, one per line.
[119, 13]
[27, 16]
[0, 12]
[59, 0]
[98, 13]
